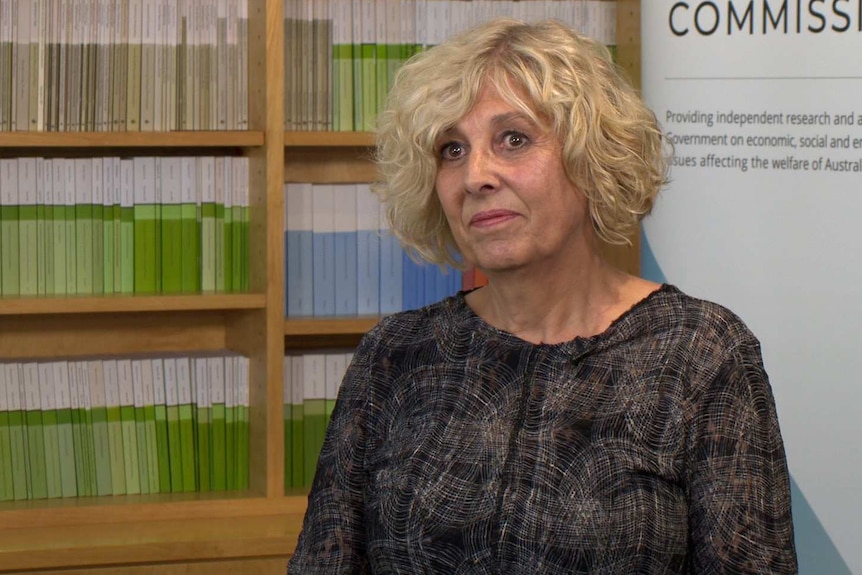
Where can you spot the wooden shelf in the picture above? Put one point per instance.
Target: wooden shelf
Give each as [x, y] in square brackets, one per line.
[78, 140]
[328, 139]
[332, 333]
[129, 303]
[329, 326]
[129, 533]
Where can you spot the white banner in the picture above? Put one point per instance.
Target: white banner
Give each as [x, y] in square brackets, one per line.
[763, 101]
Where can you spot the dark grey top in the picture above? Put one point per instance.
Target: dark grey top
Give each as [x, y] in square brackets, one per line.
[458, 448]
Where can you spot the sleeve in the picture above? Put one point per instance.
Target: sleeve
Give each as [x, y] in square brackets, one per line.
[738, 482]
[332, 540]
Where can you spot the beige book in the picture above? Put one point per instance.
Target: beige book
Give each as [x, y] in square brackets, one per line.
[148, 64]
[21, 66]
[36, 65]
[133, 71]
[5, 66]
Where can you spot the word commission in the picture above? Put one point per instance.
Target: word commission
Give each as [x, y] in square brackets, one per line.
[762, 17]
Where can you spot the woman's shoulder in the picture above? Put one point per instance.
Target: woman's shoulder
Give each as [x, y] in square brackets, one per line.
[700, 329]
[422, 323]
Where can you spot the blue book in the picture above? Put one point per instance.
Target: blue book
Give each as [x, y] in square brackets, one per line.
[367, 251]
[298, 250]
[346, 300]
[391, 264]
[323, 249]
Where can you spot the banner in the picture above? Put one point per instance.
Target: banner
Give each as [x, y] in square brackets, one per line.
[762, 100]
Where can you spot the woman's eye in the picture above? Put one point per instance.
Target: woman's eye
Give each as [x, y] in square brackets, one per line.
[451, 151]
[514, 140]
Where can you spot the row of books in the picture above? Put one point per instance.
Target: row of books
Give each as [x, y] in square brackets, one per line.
[123, 65]
[341, 55]
[123, 426]
[109, 225]
[341, 261]
[311, 383]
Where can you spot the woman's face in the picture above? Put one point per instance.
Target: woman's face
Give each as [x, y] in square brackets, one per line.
[504, 191]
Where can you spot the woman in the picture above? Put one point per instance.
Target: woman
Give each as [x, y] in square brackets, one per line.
[567, 417]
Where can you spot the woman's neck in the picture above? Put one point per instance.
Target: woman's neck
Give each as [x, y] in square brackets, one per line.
[580, 301]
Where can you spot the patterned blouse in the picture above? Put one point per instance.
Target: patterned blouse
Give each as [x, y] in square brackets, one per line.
[457, 448]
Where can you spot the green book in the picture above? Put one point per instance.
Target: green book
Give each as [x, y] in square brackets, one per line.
[152, 451]
[17, 433]
[115, 426]
[206, 183]
[58, 225]
[101, 430]
[70, 240]
[88, 448]
[35, 436]
[45, 228]
[126, 254]
[131, 454]
[297, 395]
[7, 491]
[110, 197]
[215, 366]
[203, 423]
[230, 386]
[9, 226]
[234, 225]
[161, 422]
[145, 216]
[98, 219]
[84, 225]
[50, 435]
[288, 423]
[172, 400]
[28, 224]
[245, 235]
[172, 225]
[314, 422]
[242, 423]
[140, 425]
[222, 191]
[68, 473]
[186, 423]
[190, 234]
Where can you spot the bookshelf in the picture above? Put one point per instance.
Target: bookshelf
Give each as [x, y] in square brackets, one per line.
[239, 532]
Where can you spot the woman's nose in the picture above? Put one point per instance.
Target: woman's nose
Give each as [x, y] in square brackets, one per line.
[481, 172]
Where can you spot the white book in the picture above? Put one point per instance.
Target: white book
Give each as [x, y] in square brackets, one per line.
[101, 431]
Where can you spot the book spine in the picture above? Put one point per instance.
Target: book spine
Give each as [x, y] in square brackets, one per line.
[17, 433]
[50, 435]
[323, 249]
[7, 492]
[345, 252]
[215, 368]
[186, 424]
[172, 409]
[115, 426]
[368, 251]
[140, 426]
[101, 430]
[129, 427]
[35, 436]
[314, 423]
[160, 413]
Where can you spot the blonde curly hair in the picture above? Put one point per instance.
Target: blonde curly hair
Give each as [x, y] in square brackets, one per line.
[612, 147]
